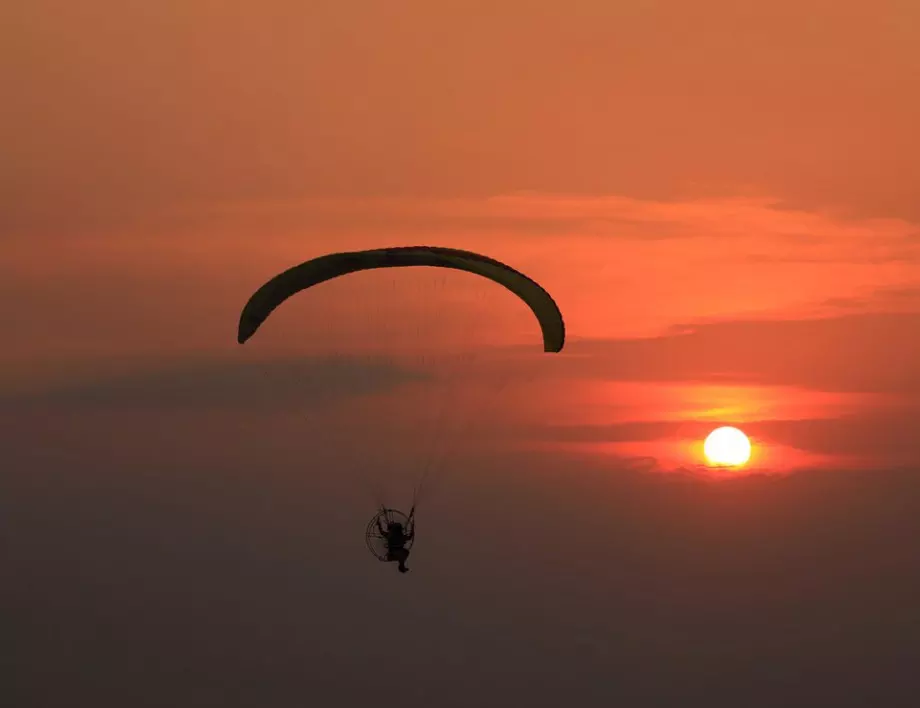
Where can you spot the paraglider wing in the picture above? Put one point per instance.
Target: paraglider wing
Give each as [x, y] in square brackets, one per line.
[319, 270]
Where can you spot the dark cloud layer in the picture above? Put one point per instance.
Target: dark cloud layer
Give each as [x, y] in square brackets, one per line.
[147, 575]
[218, 383]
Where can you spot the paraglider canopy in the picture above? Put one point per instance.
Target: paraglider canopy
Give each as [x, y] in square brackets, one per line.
[323, 268]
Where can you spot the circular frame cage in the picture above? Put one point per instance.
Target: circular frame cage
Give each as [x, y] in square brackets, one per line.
[376, 541]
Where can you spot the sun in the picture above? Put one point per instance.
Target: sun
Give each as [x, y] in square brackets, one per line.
[727, 446]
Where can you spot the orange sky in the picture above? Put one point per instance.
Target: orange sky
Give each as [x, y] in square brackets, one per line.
[651, 165]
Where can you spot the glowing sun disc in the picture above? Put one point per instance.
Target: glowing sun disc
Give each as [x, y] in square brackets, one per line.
[727, 446]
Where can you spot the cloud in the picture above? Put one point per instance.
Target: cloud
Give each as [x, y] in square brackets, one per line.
[888, 435]
[632, 431]
[597, 254]
[276, 384]
[885, 436]
[804, 235]
[874, 352]
[900, 298]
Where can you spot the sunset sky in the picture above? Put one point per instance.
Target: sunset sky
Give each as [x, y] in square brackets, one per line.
[724, 200]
